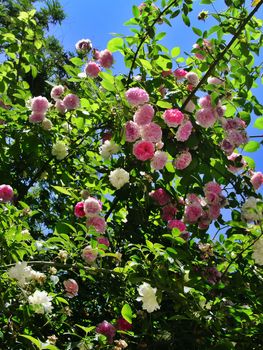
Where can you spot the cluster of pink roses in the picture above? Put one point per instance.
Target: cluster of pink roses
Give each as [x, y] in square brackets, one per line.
[208, 115]
[148, 148]
[235, 134]
[6, 193]
[68, 103]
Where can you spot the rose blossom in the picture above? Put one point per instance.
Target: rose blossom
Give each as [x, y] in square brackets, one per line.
[184, 131]
[168, 212]
[56, 92]
[46, 124]
[132, 131]
[144, 115]
[227, 146]
[71, 101]
[143, 150]
[160, 196]
[105, 58]
[83, 45]
[92, 69]
[71, 287]
[108, 148]
[6, 193]
[192, 78]
[215, 81]
[237, 137]
[166, 73]
[106, 329]
[206, 117]
[103, 240]
[176, 224]
[173, 117]
[79, 210]
[256, 180]
[123, 325]
[193, 212]
[60, 106]
[97, 222]
[205, 102]
[179, 73]
[148, 297]
[136, 96]
[233, 158]
[212, 187]
[119, 177]
[214, 211]
[159, 160]
[151, 132]
[190, 107]
[212, 198]
[89, 254]
[92, 206]
[39, 104]
[36, 117]
[183, 160]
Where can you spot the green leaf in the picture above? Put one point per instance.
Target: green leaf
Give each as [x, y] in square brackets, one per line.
[38, 44]
[186, 20]
[259, 123]
[146, 64]
[160, 36]
[252, 146]
[107, 85]
[197, 31]
[251, 163]
[115, 44]
[77, 61]
[175, 52]
[206, 2]
[86, 329]
[62, 190]
[164, 104]
[126, 313]
[33, 340]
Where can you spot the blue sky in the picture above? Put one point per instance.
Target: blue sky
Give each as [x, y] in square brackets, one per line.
[98, 20]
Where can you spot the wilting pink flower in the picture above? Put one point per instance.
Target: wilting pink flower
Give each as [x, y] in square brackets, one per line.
[132, 131]
[95, 54]
[56, 92]
[105, 58]
[212, 187]
[192, 78]
[39, 104]
[237, 137]
[144, 114]
[227, 146]
[220, 110]
[168, 212]
[6, 193]
[160, 196]
[92, 206]
[204, 221]
[97, 222]
[173, 117]
[179, 73]
[89, 254]
[183, 160]
[162, 90]
[215, 81]
[71, 287]
[79, 210]
[136, 96]
[184, 131]
[256, 179]
[176, 224]
[233, 158]
[83, 45]
[193, 198]
[206, 117]
[166, 73]
[71, 101]
[205, 102]
[151, 132]
[123, 325]
[103, 240]
[159, 160]
[143, 150]
[60, 106]
[233, 123]
[36, 117]
[193, 212]
[92, 69]
[214, 211]
[106, 329]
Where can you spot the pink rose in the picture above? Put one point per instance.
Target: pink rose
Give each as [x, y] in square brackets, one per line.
[212, 187]
[36, 117]
[56, 92]
[144, 114]
[168, 212]
[89, 254]
[6, 193]
[176, 224]
[71, 101]
[136, 96]
[105, 58]
[97, 222]
[39, 104]
[184, 131]
[92, 206]
[143, 150]
[123, 325]
[151, 132]
[71, 287]
[160, 196]
[173, 117]
[256, 180]
[61, 108]
[206, 117]
[179, 73]
[106, 329]
[83, 45]
[159, 160]
[205, 102]
[79, 210]
[183, 160]
[192, 78]
[132, 131]
[103, 240]
[92, 69]
[193, 212]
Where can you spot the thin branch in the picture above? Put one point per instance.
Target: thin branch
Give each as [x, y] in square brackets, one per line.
[255, 136]
[221, 54]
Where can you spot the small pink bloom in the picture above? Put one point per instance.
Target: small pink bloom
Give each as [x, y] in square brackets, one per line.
[143, 150]
[198, 54]
[132, 131]
[190, 107]
[89, 254]
[71, 101]
[6, 193]
[168, 212]
[176, 224]
[215, 81]
[79, 210]
[179, 73]
[237, 137]
[173, 117]
[233, 123]
[92, 206]
[106, 329]
[60, 106]
[39, 104]
[213, 187]
[144, 114]
[159, 145]
[97, 222]
[71, 287]
[151, 132]
[160, 196]
[136, 96]
[214, 211]
[205, 102]
[83, 45]
[56, 92]
[193, 198]
[227, 146]
[183, 160]
[190, 87]
[257, 180]
[106, 58]
[36, 117]
[159, 160]
[104, 241]
[96, 54]
[206, 117]
[212, 198]
[236, 158]
[92, 69]
[123, 325]
[184, 131]
[193, 212]
[192, 78]
[166, 73]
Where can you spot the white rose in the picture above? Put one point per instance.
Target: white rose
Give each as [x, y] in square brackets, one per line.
[108, 148]
[41, 302]
[59, 150]
[251, 211]
[148, 297]
[257, 254]
[119, 177]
